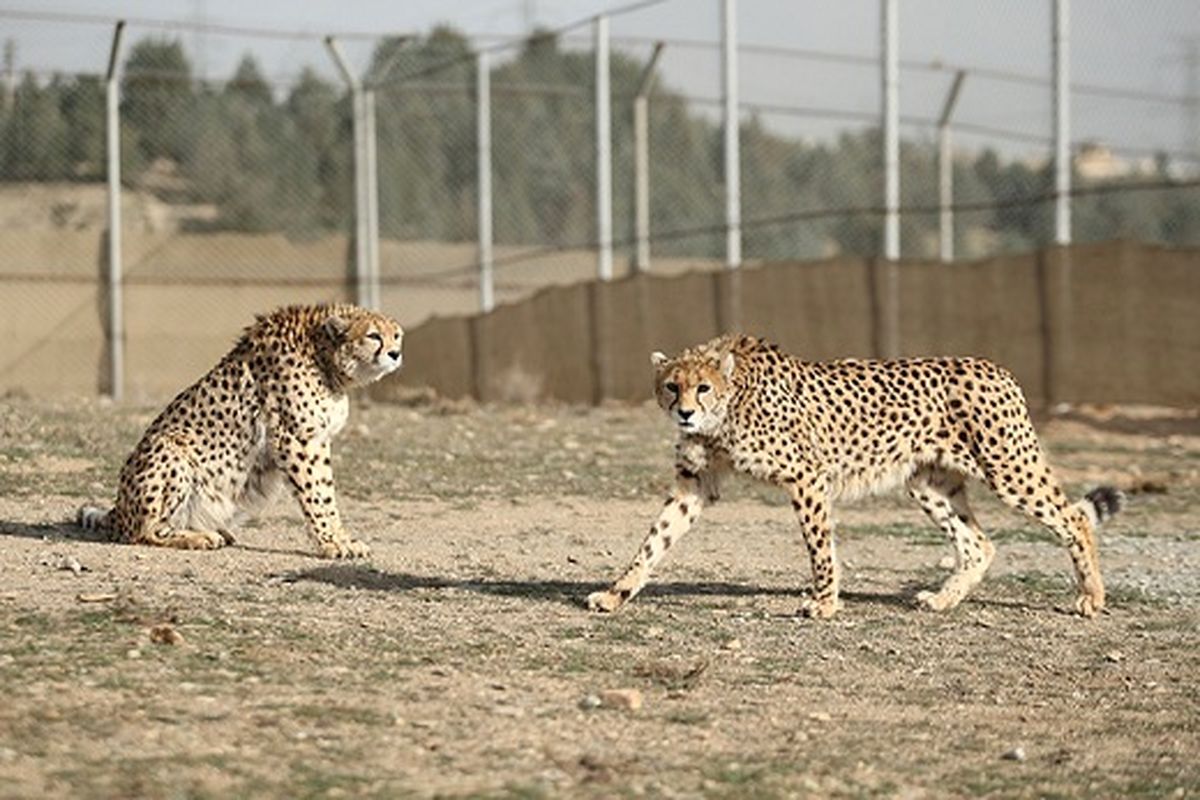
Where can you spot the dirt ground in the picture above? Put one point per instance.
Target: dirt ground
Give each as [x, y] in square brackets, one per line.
[458, 660]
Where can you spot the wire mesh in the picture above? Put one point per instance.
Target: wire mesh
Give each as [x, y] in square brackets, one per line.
[238, 157]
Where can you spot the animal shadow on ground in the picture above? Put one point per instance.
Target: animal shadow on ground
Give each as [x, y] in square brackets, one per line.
[69, 530]
[50, 530]
[571, 593]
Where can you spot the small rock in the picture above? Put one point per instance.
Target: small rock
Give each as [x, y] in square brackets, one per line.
[946, 562]
[515, 712]
[589, 702]
[1114, 656]
[1016, 754]
[166, 634]
[732, 644]
[624, 699]
[71, 563]
[819, 716]
[96, 597]
[133, 654]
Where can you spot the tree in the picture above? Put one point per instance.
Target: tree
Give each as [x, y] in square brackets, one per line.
[249, 84]
[157, 91]
[82, 107]
[323, 131]
[34, 145]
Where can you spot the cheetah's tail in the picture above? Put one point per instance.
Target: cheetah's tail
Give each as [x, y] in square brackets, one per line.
[1102, 503]
[94, 518]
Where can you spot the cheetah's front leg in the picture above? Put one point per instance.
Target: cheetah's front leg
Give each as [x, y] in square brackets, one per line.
[680, 511]
[310, 474]
[812, 510]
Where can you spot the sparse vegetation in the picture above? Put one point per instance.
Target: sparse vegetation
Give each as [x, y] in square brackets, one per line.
[456, 662]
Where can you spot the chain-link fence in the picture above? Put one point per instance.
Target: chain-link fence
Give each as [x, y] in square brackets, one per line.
[248, 189]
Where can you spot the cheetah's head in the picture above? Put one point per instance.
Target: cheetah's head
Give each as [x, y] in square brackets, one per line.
[366, 344]
[694, 389]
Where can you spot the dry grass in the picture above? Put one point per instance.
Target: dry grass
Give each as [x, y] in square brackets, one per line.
[454, 661]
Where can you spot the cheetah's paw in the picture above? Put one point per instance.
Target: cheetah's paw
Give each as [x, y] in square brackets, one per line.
[1088, 606]
[345, 548]
[194, 540]
[811, 608]
[936, 601]
[606, 601]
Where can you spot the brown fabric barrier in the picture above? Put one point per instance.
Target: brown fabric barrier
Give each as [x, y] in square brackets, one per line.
[1117, 322]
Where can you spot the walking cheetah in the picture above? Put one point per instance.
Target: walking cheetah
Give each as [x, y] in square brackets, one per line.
[264, 414]
[824, 430]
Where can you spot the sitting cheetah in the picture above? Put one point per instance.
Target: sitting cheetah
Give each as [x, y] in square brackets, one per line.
[849, 428]
[265, 413]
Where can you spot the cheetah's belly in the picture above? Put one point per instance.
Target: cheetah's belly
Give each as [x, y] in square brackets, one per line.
[234, 487]
[339, 413]
[262, 478]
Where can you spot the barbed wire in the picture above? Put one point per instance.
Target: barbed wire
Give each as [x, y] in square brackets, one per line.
[80, 18]
[440, 277]
[505, 42]
[824, 113]
[753, 223]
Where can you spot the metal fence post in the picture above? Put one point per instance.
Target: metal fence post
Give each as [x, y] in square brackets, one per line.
[946, 172]
[483, 141]
[361, 253]
[604, 260]
[112, 127]
[641, 161]
[891, 129]
[371, 199]
[1062, 122]
[733, 169]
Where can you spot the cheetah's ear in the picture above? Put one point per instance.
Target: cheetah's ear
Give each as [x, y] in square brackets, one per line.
[658, 358]
[335, 328]
[727, 365]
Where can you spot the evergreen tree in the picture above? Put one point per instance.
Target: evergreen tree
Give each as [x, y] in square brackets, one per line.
[83, 110]
[157, 92]
[323, 132]
[249, 84]
[35, 135]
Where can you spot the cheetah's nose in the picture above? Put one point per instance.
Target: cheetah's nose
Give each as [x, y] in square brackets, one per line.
[685, 413]
[394, 355]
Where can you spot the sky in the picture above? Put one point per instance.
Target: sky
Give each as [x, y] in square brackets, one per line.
[1117, 48]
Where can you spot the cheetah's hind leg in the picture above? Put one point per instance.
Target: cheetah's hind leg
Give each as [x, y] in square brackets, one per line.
[942, 494]
[170, 505]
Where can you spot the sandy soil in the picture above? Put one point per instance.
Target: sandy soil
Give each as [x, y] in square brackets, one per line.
[458, 661]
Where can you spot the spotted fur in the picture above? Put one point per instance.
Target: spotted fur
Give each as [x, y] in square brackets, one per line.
[263, 416]
[842, 429]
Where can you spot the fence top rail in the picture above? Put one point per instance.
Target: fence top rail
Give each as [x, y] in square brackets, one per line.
[502, 42]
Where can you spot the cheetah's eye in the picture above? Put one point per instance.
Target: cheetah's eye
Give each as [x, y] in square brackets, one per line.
[702, 388]
[672, 387]
[375, 335]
